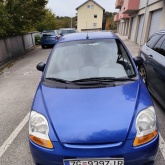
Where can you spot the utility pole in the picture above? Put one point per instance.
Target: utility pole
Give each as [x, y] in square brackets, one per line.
[71, 22]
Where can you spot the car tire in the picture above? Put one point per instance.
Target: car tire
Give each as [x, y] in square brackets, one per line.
[43, 47]
[143, 74]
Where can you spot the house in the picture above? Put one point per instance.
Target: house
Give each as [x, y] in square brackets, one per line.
[89, 16]
[139, 19]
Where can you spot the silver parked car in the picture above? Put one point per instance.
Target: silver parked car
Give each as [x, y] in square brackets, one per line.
[64, 31]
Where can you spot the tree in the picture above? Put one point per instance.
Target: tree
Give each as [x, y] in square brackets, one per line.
[109, 19]
[48, 22]
[4, 20]
[23, 14]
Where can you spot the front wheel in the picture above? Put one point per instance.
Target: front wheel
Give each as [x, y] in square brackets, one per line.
[43, 47]
[143, 74]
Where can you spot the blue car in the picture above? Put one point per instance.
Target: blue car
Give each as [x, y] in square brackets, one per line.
[49, 38]
[91, 106]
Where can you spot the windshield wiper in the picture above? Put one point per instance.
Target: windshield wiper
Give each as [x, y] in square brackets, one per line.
[89, 81]
[58, 80]
[104, 79]
[92, 81]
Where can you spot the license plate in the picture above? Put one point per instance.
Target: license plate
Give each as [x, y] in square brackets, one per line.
[118, 161]
[49, 38]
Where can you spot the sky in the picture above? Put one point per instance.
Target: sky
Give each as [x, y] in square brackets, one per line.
[68, 7]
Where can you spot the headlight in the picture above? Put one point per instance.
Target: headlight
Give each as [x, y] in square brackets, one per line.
[146, 126]
[39, 129]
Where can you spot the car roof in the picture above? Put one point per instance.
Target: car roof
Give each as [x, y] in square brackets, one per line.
[45, 31]
[161, 31]
[88, 35]
[67, 29]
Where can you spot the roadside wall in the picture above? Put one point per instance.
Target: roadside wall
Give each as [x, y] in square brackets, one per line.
[14, 46]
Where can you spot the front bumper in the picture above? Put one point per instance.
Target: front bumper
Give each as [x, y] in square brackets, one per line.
[142, 155]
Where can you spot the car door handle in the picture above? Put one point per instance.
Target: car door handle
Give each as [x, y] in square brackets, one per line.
[150, 56]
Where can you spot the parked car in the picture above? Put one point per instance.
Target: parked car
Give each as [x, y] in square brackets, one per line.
[153, 69]
[64, 31]
[91, 106]
[49, 38]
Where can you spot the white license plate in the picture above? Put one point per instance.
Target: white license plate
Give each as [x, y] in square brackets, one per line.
[119, 161]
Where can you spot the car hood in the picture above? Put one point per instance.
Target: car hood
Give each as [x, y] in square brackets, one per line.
[98, 115]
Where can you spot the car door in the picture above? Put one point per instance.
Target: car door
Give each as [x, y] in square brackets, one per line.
[154, 65]
[147, 54]
[158, 61]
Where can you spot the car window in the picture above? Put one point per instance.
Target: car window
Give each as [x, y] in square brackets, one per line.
[89, 58]
[58, 33]
[68, 31]
[159, 44]
[153, 40]
[162, 49]
[48, 33]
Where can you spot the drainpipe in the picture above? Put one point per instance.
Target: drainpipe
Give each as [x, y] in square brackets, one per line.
[144, 20]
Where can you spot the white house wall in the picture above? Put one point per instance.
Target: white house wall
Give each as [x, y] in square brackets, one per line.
[85, 17]
[147, 23]
[153, 5]
[144, 2]
[122, 27]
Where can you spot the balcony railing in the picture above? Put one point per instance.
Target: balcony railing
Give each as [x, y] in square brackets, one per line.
[124, 16]
[116, 18]
[118, 4]
[130, 6]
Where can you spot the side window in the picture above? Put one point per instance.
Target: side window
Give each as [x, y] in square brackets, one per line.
[124, 60]
[159, 44]
[92, 6]
[162, 49]
[95, 15]
[153, 40]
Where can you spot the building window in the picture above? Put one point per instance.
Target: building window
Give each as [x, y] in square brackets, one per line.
[95, 16]
[88, 6]
[94, 24]
[92, 6]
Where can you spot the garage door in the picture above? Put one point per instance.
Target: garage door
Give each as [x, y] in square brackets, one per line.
[133, 28]
[140, 28]
[155, 22]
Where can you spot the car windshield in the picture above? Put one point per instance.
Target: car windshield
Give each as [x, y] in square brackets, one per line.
[89, 59]
[68, 31]
[48, 33]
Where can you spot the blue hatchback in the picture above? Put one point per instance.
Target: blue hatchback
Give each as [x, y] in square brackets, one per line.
[49, 38]
[91, 106]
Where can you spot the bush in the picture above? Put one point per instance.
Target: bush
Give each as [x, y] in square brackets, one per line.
[37, 39]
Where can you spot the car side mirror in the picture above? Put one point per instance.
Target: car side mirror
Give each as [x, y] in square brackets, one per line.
[41, 66]
[138, 60]
[61, 34]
